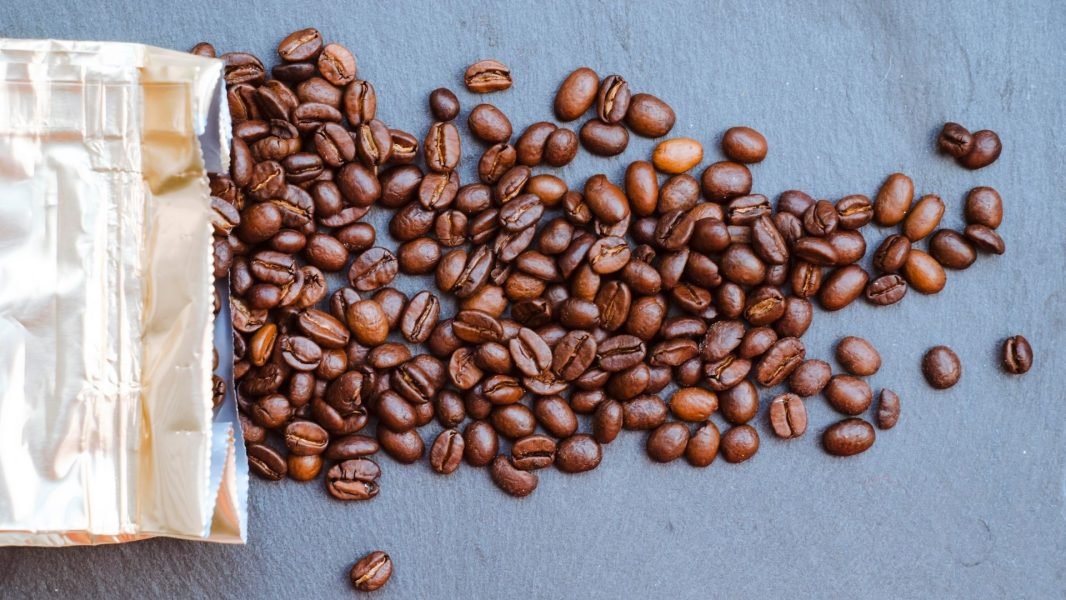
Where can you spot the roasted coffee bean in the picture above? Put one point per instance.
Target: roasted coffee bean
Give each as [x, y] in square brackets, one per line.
[372, 572]
[438, 190]
[620, 352]
[373, 269]
[667, 442]
[677, 155]
[672, 267]
[985, 239]
[923, 272]
[986, 149]
[790, 226]
[858, 356]
[306, 438]
[604, 139]
[463, 370]
[325, 252]
[555, 416]
[443, 104]
[510, 479]
[854, 211]
[810, 377]
[276, 100]
[310, 116]
[576, 94]
[577, 454]
[923, 218]
[848, 395]
[293, 72]
[300, 353]
[266, 462]
[240, 67]
[820, 219]
[693, 404]
[373, 143]
[682, 192]
[351, 446]
[893, 200]
[394, 412]
[885, 290]
[513, 421]
[318, 90]
[725, 180]
[1017, 355]
[533, 452]
[388, 356]
[673, 230]
[794, 202]
[765, 305]
[642, 187]
[984, 207]
[368, 322]
[404, 447]
[481, 443]
[494, 163]
[487, 76]
[442, 147]
[891, 255]
[419, 317]
[767, 241]
[744, 144]
[520, 213]
[843, 286]
[493, 358]
[745, 210]
[644, 412]
[477, 327]
[418, 256]
[612, 99]
[560, 147]
[502, 390]
[489, 124]
[955, 140]
[796, 318]
[393, 302]
[359, 102]
[530, 146]
[337, 64]
[203, 49]
[726, 373]
[742, 266]
[607, 421]
[358, 184]
[887, 409]
[848, 437]
[447, 452]
[739, 443]
[573, 355]
[550, 189]
[261, 346]
[779, 361]
[941, 367]
[806, 279]
[272, 411]
[848, 246]
[755, 342]
[788, 416]
[815, 250]
[702, 447]
[404, 147]
[609, 255]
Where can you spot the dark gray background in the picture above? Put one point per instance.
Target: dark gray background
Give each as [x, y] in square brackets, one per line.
[965, 498]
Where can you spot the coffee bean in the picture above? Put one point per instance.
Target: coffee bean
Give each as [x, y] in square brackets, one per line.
[442, 147]
[693, 404]
[887, 409]
[667, 442]
[858, 356]
[765, 305]
[241, 67]
[984, 207]
[740, 403]
[952, 250]
[577, 454]
[885, 290]
[510, 479]
[266, 463]
[739, 443]
[1017, 355]
[533, 452]
[924, 273]
[985, 238]
[489, 124]
[848, 437]
[941, 367]
[806, 279]
[779, 361]
[848, 395]
[677, 155]
[810, 377]
[744, 145]
[893, 200]
[815, 250]
[794, 202]
[354, 479]
[337, 64]
[405, 448]
[725, 180]
[447, 452]
[891, 255]
[576, 94]
[481, 443]
[603, 139]
[203, 49]
[372, 572]
[924, 217]
[487, 76]
[955, 140]
[788, 416]
[756, 342]
[820, 219]
[443, 104]
[986, 149]
[843, 286]
[854, 211]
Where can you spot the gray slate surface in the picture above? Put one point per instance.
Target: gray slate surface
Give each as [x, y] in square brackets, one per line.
[964, 499]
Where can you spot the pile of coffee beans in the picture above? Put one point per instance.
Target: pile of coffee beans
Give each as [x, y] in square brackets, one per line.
[646, 304]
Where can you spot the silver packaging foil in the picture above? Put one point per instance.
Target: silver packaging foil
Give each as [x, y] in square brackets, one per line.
[107, 431]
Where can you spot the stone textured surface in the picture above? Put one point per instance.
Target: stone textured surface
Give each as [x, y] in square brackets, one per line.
[965, 498]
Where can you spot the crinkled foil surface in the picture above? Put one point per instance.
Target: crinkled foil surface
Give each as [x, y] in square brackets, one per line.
[107, 432]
